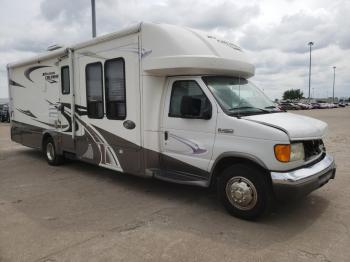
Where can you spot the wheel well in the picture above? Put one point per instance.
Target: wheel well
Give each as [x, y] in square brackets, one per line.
[45, 137]
[229, 161]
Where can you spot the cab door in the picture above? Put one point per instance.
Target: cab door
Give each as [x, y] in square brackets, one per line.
[189, 124]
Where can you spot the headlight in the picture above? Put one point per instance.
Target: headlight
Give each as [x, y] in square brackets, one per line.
[290, 152]
[297, 152]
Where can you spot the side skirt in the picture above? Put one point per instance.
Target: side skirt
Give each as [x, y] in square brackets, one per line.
[180, 178]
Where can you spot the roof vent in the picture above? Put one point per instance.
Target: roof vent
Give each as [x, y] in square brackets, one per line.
[54, 47]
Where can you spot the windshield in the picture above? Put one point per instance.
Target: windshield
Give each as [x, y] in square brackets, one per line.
[238, 96]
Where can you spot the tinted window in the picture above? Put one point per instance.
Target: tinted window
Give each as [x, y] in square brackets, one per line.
[187, 90]
[115, 89]
[94, 95]
[65, 81]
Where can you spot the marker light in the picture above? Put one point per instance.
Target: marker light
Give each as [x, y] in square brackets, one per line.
[282, 153]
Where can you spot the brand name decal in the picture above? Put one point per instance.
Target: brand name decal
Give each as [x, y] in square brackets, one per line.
[227, 43]
[50, 77]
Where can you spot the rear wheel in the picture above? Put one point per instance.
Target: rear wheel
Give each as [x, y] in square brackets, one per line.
[244, 191]
[50, 152]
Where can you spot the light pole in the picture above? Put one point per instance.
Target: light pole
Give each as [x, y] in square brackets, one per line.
[334, 67]
[93, 18]
[310, 44]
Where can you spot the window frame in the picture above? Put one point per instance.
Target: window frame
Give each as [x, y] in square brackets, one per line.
[106, 92]
[62, 68]
[171, 95]
[102, 89]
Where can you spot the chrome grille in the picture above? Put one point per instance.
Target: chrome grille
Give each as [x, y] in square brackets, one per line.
[313, 148]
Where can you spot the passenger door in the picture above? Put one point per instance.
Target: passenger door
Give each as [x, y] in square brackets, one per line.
[189, 124]
[111, 118]
[64, 106]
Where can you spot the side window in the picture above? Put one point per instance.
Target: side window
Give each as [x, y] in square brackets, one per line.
[65, 81]
[188, 101]
[115, 89]
[94, 93]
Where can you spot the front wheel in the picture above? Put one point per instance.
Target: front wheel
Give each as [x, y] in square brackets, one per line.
[244, 191]
[50, 152]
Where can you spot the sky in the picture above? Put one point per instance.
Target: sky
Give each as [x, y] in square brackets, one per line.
[274, 34]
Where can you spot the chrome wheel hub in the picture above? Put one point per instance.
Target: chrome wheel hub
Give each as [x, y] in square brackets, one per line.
[50, 152]
[241, 193]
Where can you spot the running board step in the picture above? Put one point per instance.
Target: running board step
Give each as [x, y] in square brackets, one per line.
[70, 155]
[181, 178]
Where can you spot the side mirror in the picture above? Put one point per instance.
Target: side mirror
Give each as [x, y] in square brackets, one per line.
[207, 113]
[191, 108]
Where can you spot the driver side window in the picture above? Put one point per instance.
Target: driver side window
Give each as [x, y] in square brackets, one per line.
[188, 101]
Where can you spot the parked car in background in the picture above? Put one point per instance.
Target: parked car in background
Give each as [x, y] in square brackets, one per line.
[324, 105]
[4, 114]
[288, 106]
[315, 105]
[303, 106]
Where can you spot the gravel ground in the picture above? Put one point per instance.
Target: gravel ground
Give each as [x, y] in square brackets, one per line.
[78, 212]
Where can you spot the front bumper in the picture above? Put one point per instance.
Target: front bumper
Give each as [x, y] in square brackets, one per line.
[300, 182]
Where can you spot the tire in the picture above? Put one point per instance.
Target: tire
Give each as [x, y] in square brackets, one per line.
[50, 153]
[245, 191]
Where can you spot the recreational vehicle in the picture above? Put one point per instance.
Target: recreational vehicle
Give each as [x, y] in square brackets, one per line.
[170, 103]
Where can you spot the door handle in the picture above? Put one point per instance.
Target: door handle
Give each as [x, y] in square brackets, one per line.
[166, 135]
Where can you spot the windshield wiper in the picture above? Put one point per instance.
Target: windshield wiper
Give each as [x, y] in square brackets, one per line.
[250, 107]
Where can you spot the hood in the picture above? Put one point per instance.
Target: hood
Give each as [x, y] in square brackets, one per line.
[296, 126]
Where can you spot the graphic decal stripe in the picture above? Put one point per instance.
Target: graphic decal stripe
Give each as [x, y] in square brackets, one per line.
[196, 149]
[100, 143]
[13, 83]
[26, 112]
[48, 124]
[31, 69]
[126, 162]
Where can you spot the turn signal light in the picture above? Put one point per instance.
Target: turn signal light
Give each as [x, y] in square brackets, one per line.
[282, 153]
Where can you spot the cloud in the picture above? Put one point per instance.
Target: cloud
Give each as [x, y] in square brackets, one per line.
[275, 33]
[324, 27]
[205, 15]
[65, 11]
[291, 35]
[278, 71]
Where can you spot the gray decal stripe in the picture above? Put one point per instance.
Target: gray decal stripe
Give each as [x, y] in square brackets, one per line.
[65, 115]
[80, 110]
[93, 133]
[48, 124]
[17, 124]
[127, 160]
[13, 83]
[95, 138]
[109, 137]
[50, 102]
[31, 69]
[26, 112]
[196, 150]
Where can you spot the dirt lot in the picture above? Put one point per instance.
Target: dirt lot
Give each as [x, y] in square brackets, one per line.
[78, 212]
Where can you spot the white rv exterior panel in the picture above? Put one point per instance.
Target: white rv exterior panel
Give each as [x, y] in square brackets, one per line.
[172, 50]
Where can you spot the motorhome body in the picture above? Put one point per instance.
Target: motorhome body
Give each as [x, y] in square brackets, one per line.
[146, 101]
